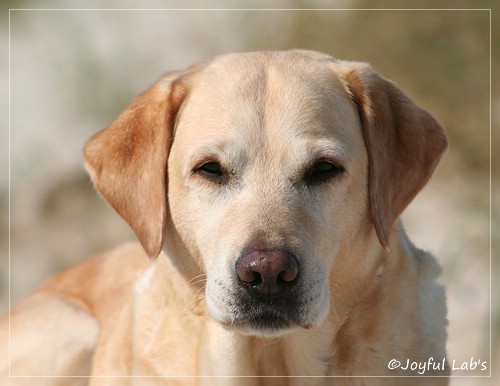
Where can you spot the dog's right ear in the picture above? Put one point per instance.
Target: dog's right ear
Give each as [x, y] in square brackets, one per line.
[128, 160]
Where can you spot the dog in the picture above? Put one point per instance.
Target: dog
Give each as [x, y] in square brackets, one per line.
[265, 191]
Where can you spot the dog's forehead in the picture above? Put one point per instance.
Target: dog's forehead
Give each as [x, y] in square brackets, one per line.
[277, 94]
[263, 77]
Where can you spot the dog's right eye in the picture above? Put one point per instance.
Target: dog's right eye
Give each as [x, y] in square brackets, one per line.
[212, 171]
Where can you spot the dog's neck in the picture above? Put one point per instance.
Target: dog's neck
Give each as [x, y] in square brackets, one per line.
[231, 353]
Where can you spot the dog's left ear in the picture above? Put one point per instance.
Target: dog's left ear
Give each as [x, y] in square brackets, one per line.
[404, 143]
[128, 160]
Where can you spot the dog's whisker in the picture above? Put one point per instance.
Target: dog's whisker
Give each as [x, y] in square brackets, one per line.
[201, 278]
[336, 315]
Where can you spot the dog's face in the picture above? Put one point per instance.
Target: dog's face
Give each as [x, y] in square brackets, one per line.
[258, 182]
[280, 166]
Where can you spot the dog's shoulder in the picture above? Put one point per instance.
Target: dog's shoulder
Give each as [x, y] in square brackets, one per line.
[88, 297]
[100, 282]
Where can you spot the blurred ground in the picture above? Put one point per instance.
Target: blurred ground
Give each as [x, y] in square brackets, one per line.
[72, 72]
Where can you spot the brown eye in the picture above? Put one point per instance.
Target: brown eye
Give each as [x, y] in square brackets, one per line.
[322, 172]
[211, 169]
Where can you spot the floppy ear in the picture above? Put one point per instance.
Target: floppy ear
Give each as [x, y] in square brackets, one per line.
[128, 161]
[404, 144]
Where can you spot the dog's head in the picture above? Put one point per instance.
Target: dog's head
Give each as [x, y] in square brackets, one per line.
[268, 172]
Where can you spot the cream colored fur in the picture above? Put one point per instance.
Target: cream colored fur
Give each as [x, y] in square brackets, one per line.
[269, 123]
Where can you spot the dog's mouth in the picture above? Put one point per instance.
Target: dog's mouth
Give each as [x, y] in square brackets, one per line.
[265, 319]
[268, 324]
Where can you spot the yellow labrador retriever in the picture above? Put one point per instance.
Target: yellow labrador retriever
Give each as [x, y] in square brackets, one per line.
[266, 189]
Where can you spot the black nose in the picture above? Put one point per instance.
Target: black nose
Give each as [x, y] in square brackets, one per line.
[268, 273]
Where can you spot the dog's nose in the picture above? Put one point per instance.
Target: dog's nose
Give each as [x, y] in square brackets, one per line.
[267, 272]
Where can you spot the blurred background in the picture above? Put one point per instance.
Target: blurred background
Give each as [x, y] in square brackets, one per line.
[73, 71]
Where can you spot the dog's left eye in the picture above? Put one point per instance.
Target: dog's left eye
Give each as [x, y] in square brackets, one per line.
[322, 172]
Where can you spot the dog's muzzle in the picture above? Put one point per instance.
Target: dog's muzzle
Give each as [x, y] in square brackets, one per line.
[268, 287]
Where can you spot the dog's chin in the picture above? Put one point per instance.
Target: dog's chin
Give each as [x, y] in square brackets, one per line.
[254, 317]
[265, 326]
